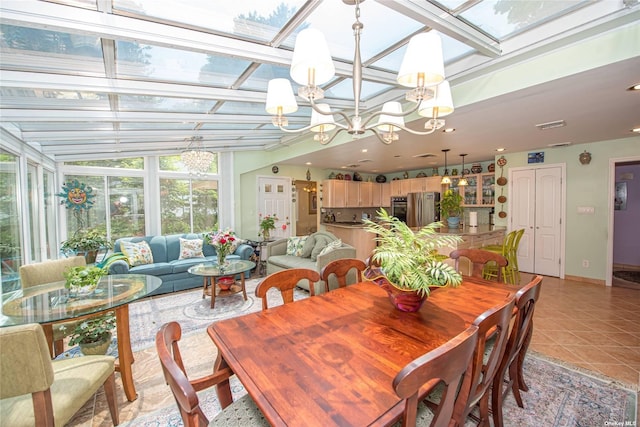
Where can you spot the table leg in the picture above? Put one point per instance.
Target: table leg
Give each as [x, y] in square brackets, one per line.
[223, 389]
[48, 333]
[204, 286]
[125, 355]
[213, 291]
[244, 289]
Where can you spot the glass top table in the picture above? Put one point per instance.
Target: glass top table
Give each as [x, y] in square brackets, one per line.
[50, 303]
[214, 276]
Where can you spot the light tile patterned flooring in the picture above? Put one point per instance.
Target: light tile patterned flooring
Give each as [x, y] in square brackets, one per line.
[593, 327]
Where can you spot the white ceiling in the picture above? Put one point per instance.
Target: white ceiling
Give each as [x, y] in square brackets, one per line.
[87, 79]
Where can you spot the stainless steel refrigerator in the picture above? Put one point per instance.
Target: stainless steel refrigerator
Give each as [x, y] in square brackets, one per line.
[422, 209]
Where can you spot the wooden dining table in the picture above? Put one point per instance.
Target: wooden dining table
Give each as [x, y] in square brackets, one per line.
[329, 360]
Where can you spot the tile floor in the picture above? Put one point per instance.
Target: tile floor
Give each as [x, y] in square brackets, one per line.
[592, 327]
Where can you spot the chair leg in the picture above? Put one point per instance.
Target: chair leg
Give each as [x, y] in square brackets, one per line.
[523, 352]
[110, 391]
[43, 408]
[515, 385]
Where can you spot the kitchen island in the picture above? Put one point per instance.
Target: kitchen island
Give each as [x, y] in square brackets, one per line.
[354, 234]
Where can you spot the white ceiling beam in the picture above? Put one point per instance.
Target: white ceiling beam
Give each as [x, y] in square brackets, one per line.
[46, 137]
[137, 148]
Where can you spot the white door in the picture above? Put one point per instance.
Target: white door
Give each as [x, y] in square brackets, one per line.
[274, 197]
[536, 206]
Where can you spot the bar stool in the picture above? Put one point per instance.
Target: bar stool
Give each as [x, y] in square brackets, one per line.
[491, 271]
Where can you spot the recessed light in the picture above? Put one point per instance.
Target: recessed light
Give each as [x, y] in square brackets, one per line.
[449, 130]
[500, 149]
[635, 87]
[308, 163]
[364, 150]
[636, 130]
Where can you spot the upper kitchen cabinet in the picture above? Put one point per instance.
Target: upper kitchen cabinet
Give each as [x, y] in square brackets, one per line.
[480, 191]
[334, 194]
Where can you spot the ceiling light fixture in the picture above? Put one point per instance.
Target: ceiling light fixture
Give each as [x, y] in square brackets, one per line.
[195, 158]
[445, 178]
[463, 181]
[422, 69]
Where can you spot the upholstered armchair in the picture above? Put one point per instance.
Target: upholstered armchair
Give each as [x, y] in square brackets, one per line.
[40, 273]
[34, 391]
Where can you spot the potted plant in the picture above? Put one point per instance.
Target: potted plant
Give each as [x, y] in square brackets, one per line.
[83, 280]
[87, 242]
[267, 223]
[222, 241]
[407, 263]
[451, 207]
[93, 335]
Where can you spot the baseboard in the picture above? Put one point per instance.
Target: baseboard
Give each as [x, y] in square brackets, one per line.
[585, 280]
[617, 267]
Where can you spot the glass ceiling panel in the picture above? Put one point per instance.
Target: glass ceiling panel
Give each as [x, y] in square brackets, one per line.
[260, 77]
[156, 126]
[229, 126]
[52, 100]
[255, 108]
[501, 18]
[344, 89]
[166, 64]
[382, 28]
[248, 19]
[32, 49]
[62, 126]
[156, 103]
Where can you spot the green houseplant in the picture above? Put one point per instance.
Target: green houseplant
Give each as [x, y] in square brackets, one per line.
[93, 335]
[83, 280]
[87, 242]
[267, 223]
[451, 207]
[408, 260]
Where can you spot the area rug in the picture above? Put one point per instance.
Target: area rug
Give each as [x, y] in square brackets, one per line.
[628, 275]
[557, 397]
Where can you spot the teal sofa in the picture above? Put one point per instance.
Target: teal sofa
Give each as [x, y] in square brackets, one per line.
[167, 266]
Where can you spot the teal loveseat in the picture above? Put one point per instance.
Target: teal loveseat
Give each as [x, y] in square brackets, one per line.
[166, 263]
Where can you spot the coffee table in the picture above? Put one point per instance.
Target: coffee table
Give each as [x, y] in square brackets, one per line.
[213, 273]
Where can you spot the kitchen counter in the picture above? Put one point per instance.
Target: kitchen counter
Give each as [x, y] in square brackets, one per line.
[480, 230]
[354, 224]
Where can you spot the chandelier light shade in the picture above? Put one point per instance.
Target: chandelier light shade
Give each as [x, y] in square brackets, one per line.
[195, 158]
[422, 70]
[462, 181]
[422, 64]
[445, 176]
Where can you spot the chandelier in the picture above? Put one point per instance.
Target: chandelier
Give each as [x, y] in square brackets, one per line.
[195, 158]
[422, 69]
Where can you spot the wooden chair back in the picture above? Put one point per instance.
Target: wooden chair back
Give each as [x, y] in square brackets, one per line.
[479, 258]
[449, 365]
[493, 332]
[285, 281]
[184, 391]
[516, 349]
[340, 268]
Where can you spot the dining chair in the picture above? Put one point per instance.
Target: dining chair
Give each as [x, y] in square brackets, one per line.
[341, 269]
[40, 273]
[36, 391]
[479, 259]
[516, 349]
[448, 366]
[513, 256]
[239, 413]
[493, 331]
[285, 281]
[505, 249]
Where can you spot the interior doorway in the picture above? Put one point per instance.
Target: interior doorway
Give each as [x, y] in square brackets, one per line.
[307, 207]
[624, 173]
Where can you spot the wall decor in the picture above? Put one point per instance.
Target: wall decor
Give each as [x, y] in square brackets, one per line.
[620, 202]
[313, 203]
[536, 157]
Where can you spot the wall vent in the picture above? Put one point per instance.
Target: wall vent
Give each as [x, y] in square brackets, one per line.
[425, 155]
[551, 125]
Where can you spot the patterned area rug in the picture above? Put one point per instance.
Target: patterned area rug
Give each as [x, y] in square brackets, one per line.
[557, 397]
[628, 275]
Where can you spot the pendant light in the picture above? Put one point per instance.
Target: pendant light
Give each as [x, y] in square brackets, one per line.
[463, 181]
[445, 177]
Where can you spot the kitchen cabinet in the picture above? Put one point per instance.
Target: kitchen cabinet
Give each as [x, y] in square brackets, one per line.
[402, 187]
[358, 237]
[358, 194]
[381, 195]
[334, 193]
[480, 191]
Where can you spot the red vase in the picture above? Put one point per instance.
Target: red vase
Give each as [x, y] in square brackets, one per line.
[407, 301]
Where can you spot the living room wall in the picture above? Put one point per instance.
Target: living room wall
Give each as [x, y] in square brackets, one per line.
[587, 185]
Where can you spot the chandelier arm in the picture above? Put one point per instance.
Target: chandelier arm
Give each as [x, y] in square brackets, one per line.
[415, 132]
[381, 137]
[342, 128]
[329, 113]
[389, 113]
[306, 128]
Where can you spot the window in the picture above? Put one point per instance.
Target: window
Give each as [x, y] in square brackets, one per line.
[188, 204]
[10, 247]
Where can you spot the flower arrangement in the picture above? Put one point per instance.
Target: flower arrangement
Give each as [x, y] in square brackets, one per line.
[93, 329]
[267, 223]
[223, 241]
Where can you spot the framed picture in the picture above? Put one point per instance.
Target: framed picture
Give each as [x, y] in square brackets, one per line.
[620, 201]
[313, 203]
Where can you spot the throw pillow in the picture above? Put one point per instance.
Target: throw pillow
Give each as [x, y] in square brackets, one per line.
[234, 245]
[331, 247]
[190, 248]
[295, 245]
[321, 242]
[308, 247]
[137, 253]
